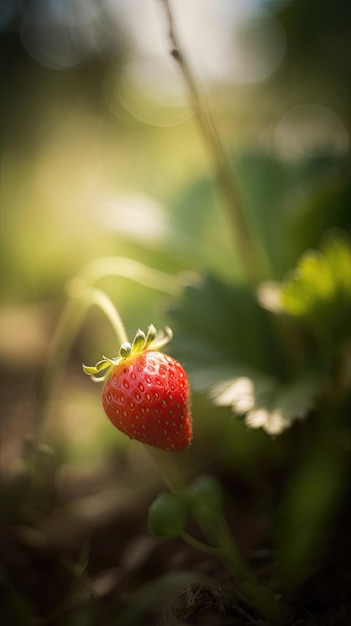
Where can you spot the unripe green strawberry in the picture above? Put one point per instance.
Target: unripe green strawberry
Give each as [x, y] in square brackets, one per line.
[146, 394]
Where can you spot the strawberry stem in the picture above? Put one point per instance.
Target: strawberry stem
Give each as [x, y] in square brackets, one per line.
[81, 300]
[229, 554]
[100, 299]
[168, 470]
[223, 546]
[200, 545]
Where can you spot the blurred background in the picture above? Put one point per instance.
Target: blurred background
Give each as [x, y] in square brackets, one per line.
[100, 155]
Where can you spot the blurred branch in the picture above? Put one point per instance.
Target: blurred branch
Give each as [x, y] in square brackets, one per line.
[131, 269]
[220, 159]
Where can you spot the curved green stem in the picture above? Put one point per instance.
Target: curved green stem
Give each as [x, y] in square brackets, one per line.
[79, 303]
[200, 545]
[223, 547]
[101, 300]
[131, 269]
[219, 534]
[216, 552]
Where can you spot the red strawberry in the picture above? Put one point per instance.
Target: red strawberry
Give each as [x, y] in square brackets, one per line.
[146, 393]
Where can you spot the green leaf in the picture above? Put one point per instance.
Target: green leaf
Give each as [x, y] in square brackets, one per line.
[263, 182]
[221, 331]
[235, 350]
[319, 291]
[289, 205]
[320, 203]
[266, 402]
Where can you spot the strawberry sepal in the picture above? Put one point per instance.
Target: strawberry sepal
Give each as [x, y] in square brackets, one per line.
[153, 340]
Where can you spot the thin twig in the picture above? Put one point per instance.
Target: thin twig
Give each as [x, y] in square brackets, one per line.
[220, 159]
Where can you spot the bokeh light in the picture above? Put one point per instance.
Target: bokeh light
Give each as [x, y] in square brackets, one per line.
[62, 34]
[309, 129]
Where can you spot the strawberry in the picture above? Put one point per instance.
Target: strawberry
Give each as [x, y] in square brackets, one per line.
[146, 393]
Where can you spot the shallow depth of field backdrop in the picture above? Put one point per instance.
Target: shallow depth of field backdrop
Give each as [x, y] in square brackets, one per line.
[102, 155]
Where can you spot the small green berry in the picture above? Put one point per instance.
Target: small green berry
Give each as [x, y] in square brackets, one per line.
[167, 516]
[205, 496]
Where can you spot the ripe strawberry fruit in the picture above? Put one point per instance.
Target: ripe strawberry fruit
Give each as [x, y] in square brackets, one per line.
[146, 393]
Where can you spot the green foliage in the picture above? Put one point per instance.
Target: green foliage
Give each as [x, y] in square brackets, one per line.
[264, 181]
[234, 348]
[319, 292]
[288, 205]
[322, 201]
[269, 366]
[221, 330]
[311, 497]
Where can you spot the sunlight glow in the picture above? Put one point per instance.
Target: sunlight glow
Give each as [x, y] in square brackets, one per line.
[240, 394]
[225, 43]
[133, 215]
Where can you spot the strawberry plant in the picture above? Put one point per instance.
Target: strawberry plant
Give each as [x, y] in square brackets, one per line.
[146, 396]
[272, 347]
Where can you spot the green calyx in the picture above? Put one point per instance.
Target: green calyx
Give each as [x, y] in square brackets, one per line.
[152, 340]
